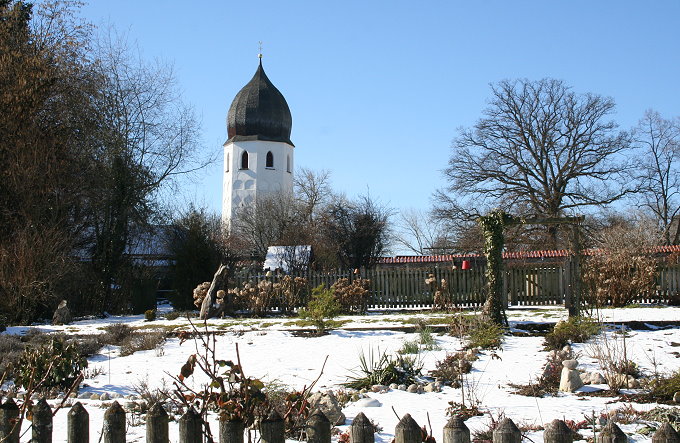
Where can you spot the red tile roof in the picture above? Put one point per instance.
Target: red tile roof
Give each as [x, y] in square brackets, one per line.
[558, 253]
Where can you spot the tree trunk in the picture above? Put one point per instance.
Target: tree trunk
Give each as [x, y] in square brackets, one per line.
[209, 307]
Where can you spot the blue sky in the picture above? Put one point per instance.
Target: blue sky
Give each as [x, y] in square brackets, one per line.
[377, 89]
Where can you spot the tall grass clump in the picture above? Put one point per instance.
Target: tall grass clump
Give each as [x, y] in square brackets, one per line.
[427, 340]
[476, 332]
[409, 347]
[379, 368]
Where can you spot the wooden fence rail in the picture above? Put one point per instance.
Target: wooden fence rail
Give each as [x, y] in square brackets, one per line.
[524, 284]
[271, 429]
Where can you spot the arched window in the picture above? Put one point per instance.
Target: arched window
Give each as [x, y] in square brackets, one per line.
[226, 164]
[270, 160]
[244, 160]
[288, 163]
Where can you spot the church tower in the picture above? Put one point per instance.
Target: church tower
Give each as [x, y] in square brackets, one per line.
[258, 155]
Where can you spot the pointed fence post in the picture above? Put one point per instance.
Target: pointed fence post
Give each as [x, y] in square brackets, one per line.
[557, 431]
[191, 427]
[361, 430]
[231, 431]
[9, 416]
[455, 430]
[666, 434]
[408, 431]
[612, 434]
[318, 428]
[157, 425]
[42, 422]
[507, 432]
[78, 424]
[272, 428]
[114, 424]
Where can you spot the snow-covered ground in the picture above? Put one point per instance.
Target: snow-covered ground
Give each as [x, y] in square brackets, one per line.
[270, 351]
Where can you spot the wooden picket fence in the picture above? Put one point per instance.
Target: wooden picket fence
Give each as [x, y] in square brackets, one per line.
[271, 428]
[525, 284]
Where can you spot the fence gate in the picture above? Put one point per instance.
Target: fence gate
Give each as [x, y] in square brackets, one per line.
[539, 284]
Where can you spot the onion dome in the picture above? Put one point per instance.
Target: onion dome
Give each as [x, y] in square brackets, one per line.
[259, 112]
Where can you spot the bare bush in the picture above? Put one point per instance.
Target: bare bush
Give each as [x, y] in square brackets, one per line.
[611, 352]
[116, 334]
[290, 291]
[255, 297]
[150, 395]
[11, 348]
[261, 297]
[624, 269]
[441, 296]
[353, 296]
[143, 341]
[31, 266]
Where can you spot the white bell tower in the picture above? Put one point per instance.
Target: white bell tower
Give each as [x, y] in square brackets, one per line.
[258, 156]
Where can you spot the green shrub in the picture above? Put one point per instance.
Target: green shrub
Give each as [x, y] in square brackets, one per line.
[381, 369]
[172, 315]
[574, 330]
[485, 335]
[150, 314]
[664, 387]
[323, 305]
[56, 364]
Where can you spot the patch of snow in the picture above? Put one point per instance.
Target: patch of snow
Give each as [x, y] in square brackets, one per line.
[276, 354]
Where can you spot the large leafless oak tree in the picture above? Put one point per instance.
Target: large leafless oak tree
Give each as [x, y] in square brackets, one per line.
[540, 149]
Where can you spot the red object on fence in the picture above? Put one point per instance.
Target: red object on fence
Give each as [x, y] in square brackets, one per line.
[466, 265]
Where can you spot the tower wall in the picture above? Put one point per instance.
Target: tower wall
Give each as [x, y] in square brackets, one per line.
[243, 187]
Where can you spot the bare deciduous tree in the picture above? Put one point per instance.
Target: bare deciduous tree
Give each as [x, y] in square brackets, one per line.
[88, 138]
[539, 146]
[421, 233]
[147, 137]
[313, 191]
[274, 221]
[659, 172]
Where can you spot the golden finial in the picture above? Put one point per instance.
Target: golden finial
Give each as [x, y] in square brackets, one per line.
[259, 55]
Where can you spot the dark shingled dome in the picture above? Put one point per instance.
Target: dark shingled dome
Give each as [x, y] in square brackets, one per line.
[259, 112]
